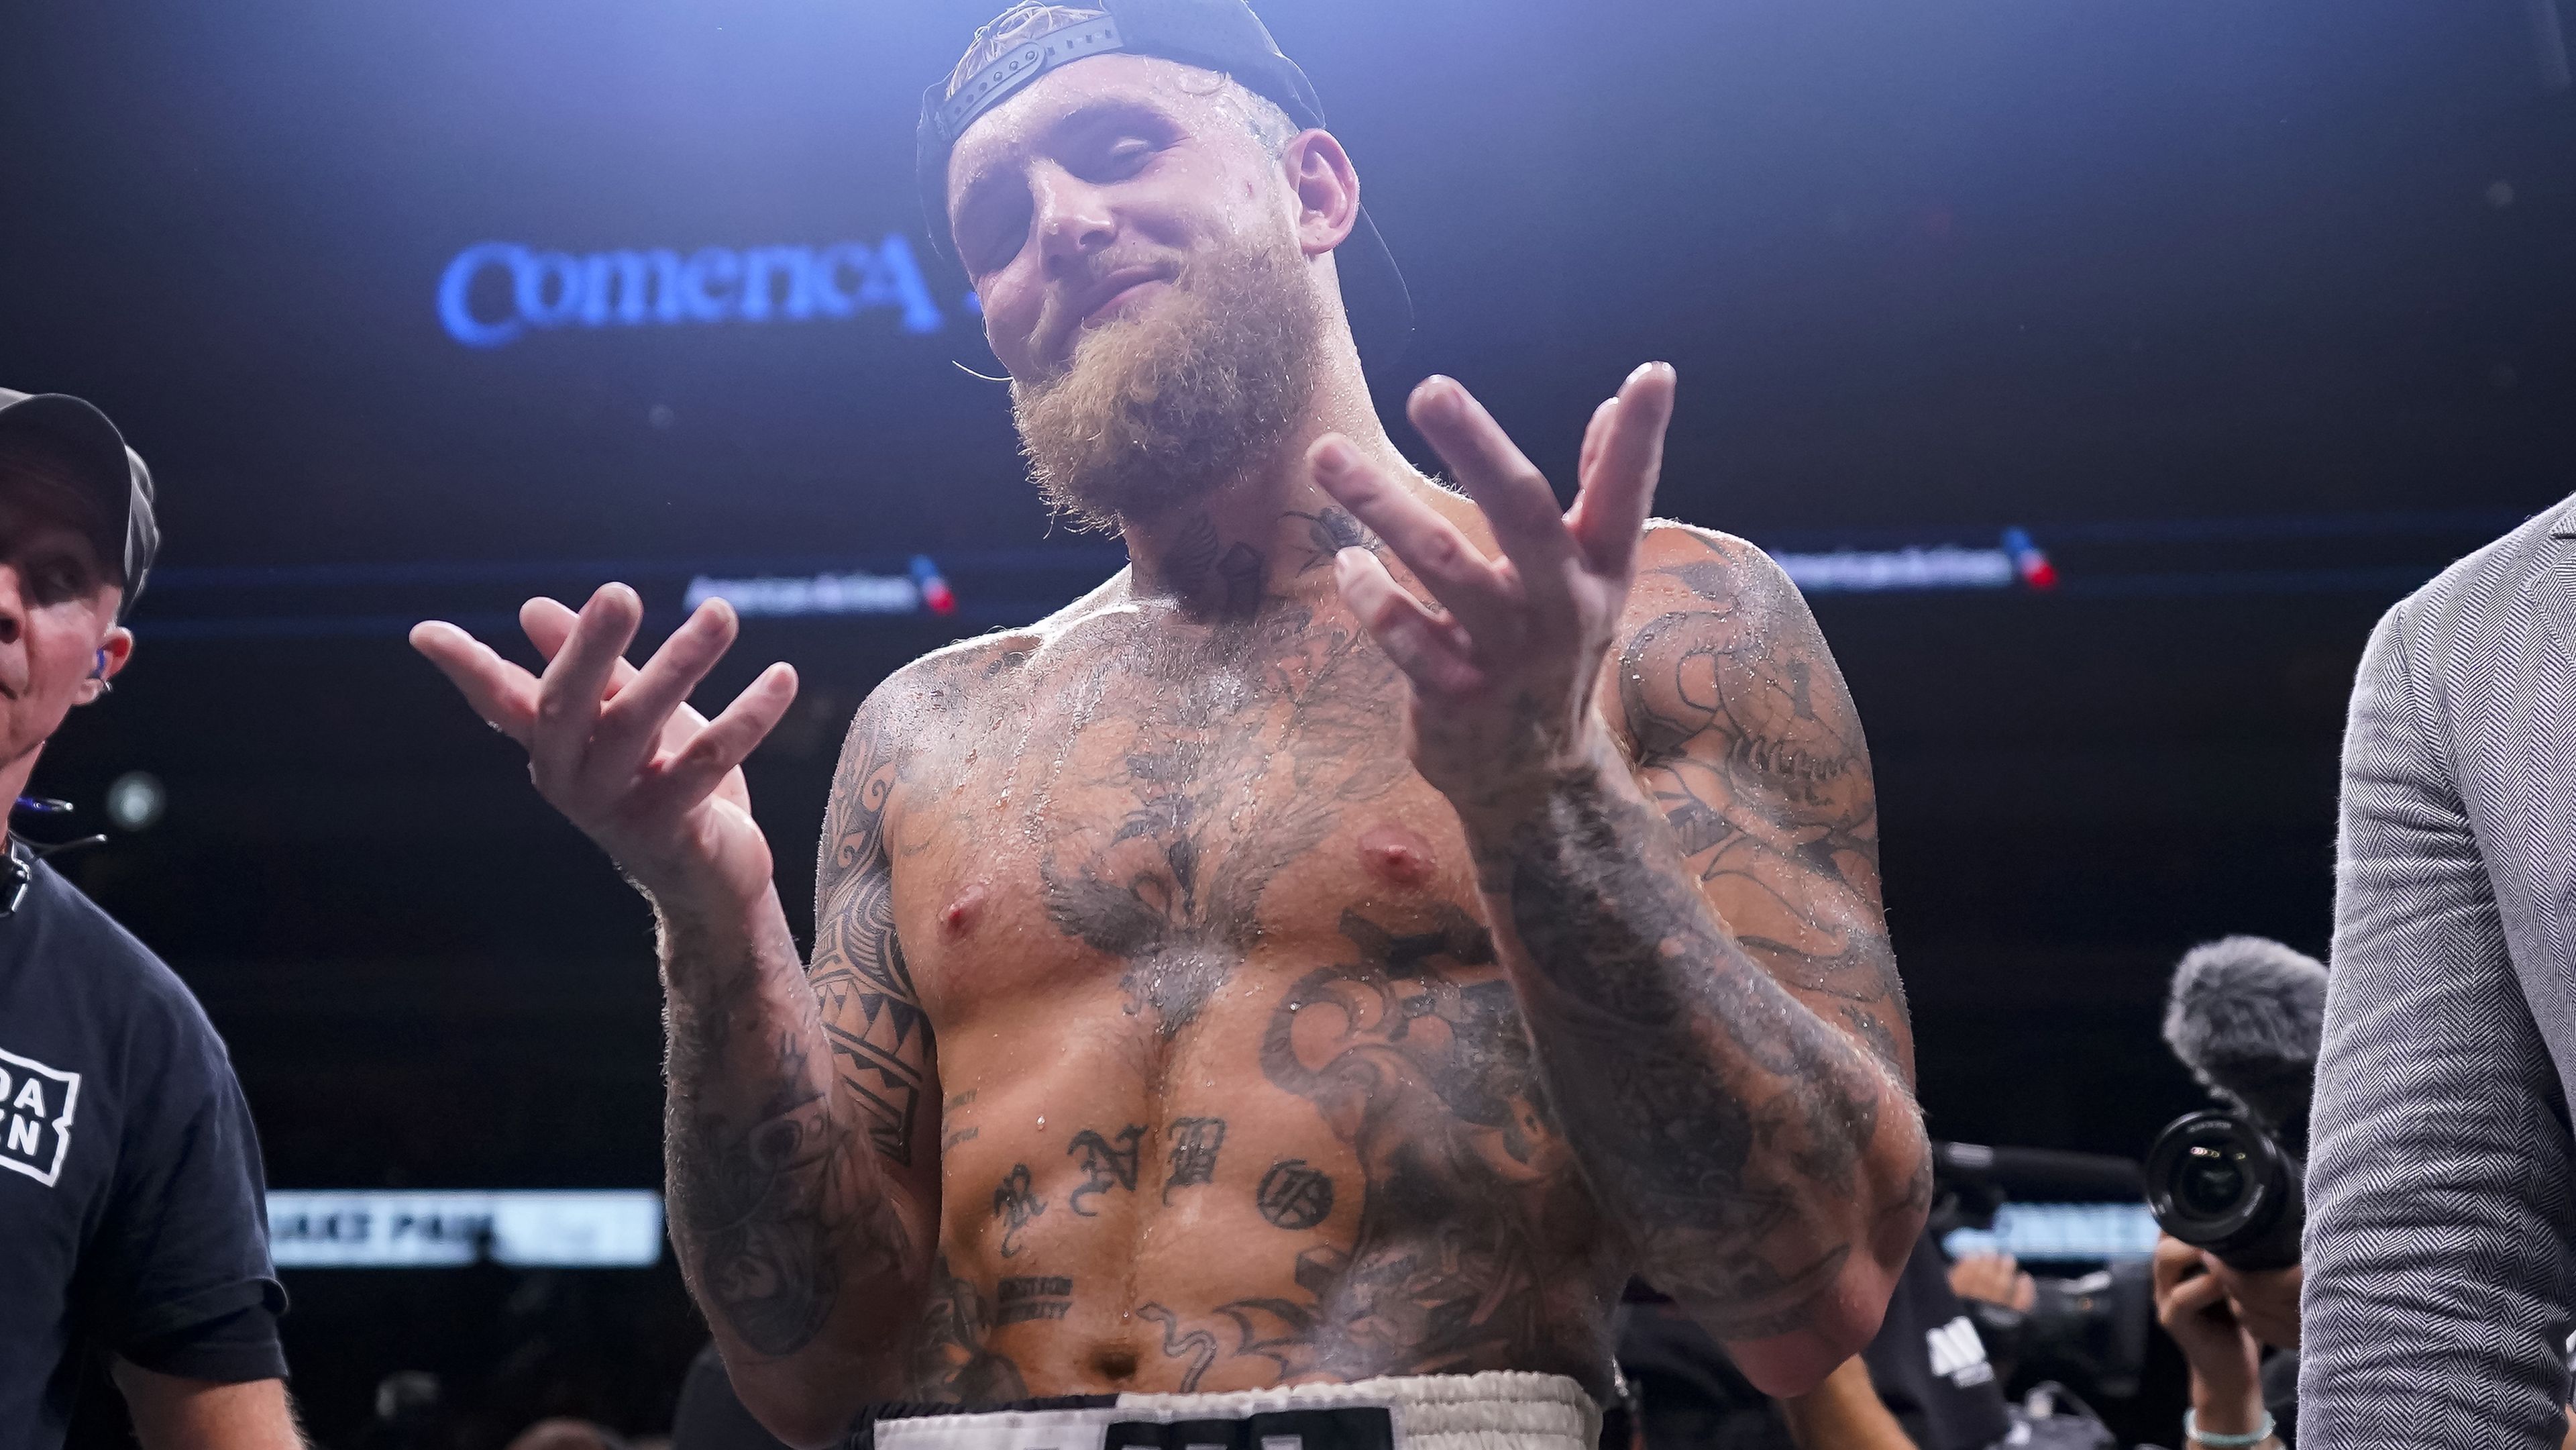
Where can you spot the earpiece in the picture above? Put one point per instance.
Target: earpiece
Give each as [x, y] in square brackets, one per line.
[98, 673]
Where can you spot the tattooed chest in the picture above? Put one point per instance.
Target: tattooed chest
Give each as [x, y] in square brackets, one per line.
[1173, 813]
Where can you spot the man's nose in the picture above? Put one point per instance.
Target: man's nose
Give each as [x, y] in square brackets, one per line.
[1073, 220]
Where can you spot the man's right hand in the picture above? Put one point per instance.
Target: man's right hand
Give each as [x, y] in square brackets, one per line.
[618, 750]
[2265, 1301]
[2191, 1304]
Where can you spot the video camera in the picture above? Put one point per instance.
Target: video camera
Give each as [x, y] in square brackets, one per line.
[2087, 1330]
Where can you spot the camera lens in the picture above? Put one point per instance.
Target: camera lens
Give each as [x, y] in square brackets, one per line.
[2212, 1180]
[2220, 1183]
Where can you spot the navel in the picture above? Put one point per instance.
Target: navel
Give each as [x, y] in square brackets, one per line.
[1397, 856]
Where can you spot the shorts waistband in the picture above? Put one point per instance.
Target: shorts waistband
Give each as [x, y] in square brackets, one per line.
[1495, 1410]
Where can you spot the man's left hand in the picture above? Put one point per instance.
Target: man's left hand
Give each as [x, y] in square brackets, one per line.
[1504, 666]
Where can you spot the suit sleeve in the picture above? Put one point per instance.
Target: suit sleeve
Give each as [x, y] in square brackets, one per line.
[2437, 1181]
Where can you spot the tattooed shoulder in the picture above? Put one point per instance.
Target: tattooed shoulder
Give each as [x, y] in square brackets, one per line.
[928, 700]
[1734, 709]
[1718, 639]
[1710, 564]
[1744, 735]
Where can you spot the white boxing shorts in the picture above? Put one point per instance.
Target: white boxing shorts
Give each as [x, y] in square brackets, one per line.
[1497, 1410]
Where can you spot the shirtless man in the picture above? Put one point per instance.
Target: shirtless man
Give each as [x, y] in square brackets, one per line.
[1257, 974]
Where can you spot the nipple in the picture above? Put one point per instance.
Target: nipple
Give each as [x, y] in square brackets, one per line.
[959, 916]
[1395, 855]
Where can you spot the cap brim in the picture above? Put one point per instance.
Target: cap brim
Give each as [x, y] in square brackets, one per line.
[86, 440]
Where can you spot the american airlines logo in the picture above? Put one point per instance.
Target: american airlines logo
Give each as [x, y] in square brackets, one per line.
[922, 589]
[36, 1104]
[494, 293]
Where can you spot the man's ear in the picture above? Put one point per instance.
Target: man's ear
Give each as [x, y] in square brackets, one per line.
[1328, 190]
[114, 651]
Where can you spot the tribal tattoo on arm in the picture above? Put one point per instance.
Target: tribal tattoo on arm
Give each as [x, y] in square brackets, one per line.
[880, 1038]
[796, 1175]
[1712, 995]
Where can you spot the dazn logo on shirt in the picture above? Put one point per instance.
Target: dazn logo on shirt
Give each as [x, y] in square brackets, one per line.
[36, 1104]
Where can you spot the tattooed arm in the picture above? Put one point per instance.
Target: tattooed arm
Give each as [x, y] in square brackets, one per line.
[804, 1245]
[1741, 733]
[1710, 986]
[1737, 1095]
[803, 1178]
[1685, 928]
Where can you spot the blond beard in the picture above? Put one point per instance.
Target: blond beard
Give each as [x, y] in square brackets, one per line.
[1155, 410]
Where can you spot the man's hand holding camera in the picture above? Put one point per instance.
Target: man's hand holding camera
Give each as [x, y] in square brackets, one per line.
[2221, 1317]
[2265, 1301]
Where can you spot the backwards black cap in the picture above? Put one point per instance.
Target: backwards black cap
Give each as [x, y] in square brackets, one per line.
[102, 466]
[1219, 35]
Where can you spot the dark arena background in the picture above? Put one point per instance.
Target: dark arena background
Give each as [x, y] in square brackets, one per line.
[2102, 369]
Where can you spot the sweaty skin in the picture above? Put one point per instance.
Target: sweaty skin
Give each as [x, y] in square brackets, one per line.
[1253, 974]
[1142, 926]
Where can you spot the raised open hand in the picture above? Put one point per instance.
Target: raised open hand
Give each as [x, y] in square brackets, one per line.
[618, 750]
[1504, 664]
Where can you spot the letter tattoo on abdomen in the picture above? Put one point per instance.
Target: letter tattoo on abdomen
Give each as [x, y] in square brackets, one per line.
[1108, 1166]
[1195, 1142]
[1296, 1195]
[1015, 1205]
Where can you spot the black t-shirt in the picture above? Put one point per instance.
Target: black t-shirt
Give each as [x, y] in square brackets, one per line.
[710, 1416]
[133, 1215]
[1927, 1364]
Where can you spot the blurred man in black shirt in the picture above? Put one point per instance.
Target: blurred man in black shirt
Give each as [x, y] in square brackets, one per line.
[133, 1218]
[1924, 1382]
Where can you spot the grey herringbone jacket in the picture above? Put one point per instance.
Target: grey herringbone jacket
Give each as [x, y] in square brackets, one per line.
[2439, 1236]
